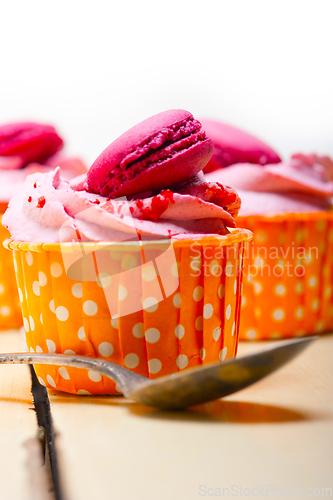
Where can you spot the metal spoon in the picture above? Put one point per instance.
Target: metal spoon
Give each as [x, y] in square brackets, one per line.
[180, 390]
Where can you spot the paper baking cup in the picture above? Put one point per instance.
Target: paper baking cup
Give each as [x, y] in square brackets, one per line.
[10, 308]
[154, 307]
[288, 276]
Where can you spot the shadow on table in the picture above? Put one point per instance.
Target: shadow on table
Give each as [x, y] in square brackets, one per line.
[237, 412]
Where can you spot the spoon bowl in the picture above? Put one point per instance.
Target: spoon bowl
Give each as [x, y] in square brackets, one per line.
[180, 390]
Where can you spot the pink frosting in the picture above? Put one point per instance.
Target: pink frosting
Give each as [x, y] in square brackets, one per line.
[47, 202]
[10, 179]
[302, 184]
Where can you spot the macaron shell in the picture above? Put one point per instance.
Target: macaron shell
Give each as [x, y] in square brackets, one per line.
[31, 142]
[184, 165]
[232, 145]
[153, 133]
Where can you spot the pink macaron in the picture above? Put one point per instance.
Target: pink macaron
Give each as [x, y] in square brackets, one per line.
[232, 145]
[25, 142]
[162, 150]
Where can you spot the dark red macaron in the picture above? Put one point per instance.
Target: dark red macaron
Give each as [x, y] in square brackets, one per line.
[232, 145]
[28, 142]
[163, 150]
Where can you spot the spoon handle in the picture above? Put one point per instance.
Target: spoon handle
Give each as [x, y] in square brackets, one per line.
[124, 378]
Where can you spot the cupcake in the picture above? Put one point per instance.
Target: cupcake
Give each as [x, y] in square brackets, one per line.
[25, 148]
[289, 266]
[137, 262]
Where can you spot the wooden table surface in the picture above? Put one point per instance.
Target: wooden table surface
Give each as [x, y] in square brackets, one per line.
[271, 439]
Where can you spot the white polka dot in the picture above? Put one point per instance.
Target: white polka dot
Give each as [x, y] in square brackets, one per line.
[328, 291]
[244, 301]
[81, 334]
[5, 311]
[196, 264]
[154, 365]
[50, 381]
[152, 335]
[182, 361]
[83, 392]
[150, 304]
[215, 268]
[26, 324]
[77, 290]
[280, 289]
[233, 328]
[260, 236]
[257, 287]
[148, 273]
[179, 331]
[29, 259]
[315, 305]
[103, 280]
[228, 312]
[69, 351]
[31, 349]
[63, 373]
[235, 287]
[313, 282]
[299, 312]
[208, 311]
[321, 225]
[174, 270]
[41, 381]
[122, 293]
[251, 334]
[223, 353]
[114, 322]
[62, 313]
[51, 306]
[39, 349]
[257, 312]
[131, 360]
[198, 293]
[105, 349]
[90, 307]
[94, 376]
[228, 269]
[216, 333]
[176, 300]
[35, 288]
[128, 262]
[138, 330]
[199, 323]
[319, 326]
[220, 291]
[32, 323]
[299, 287]
[41, 318]
[42, 278]
[278, 314]
[56, 270]
[50, 345]
[258, 262]
[275, 335]
[2, 289]
[202, 353]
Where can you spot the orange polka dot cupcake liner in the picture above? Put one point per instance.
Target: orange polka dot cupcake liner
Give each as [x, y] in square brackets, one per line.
[288, 276]
[155, 307]
[10, 310]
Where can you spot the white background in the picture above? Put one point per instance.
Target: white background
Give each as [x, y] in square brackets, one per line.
[94, 68]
